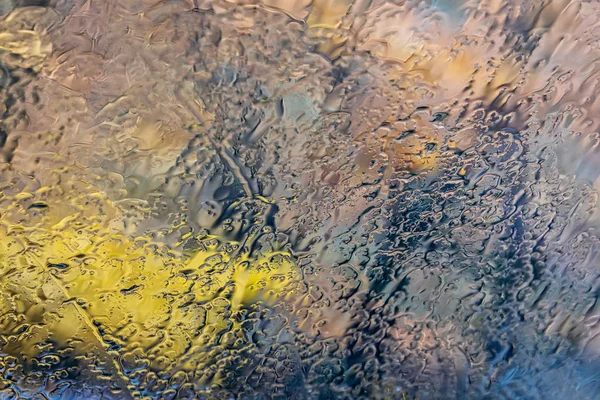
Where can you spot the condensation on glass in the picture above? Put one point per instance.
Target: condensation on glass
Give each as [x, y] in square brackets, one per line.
[295, 199]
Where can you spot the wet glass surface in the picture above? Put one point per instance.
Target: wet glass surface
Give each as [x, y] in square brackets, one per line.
[299, 199]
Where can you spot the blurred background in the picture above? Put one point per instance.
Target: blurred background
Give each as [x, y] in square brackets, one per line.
[296, 199]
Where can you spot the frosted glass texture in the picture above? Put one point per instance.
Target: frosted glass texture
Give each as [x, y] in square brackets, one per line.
[296, 199]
